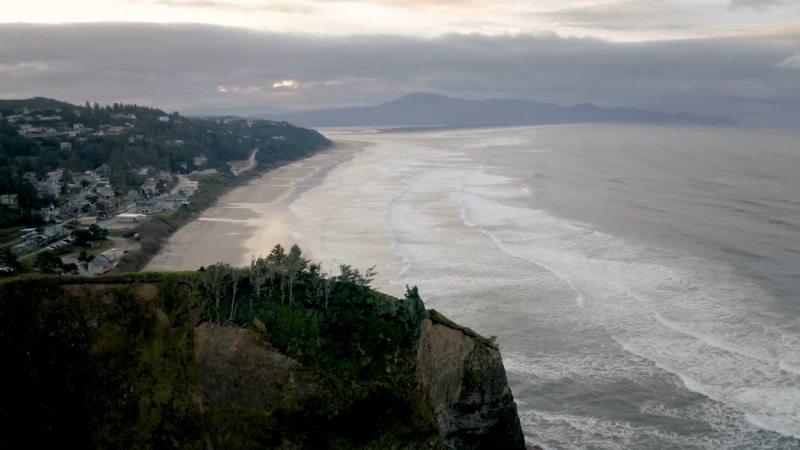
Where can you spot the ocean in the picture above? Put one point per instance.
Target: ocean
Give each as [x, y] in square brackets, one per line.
[643, 282]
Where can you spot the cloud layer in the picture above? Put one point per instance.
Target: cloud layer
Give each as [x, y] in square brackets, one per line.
[218, 69]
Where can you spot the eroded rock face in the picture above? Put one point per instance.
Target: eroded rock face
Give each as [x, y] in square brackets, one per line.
[239, 370]
[465, 385]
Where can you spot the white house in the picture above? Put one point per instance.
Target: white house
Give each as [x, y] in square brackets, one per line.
[163, 119]
[131, 217]
[77, 126]
[148, 208]
[10, 200]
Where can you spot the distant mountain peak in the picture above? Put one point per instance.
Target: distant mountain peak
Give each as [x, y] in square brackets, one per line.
[427, 109]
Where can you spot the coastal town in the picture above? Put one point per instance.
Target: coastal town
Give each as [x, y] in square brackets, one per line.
[81, 179]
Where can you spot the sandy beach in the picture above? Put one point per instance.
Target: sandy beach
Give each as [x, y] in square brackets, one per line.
[249, 220]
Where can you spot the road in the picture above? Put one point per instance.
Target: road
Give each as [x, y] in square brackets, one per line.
[182, 183]
[251, 162]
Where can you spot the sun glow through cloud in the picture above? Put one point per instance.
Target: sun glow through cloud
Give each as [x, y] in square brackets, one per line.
[286, 84]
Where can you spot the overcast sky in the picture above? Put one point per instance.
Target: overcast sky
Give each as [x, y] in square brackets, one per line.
[738, 58]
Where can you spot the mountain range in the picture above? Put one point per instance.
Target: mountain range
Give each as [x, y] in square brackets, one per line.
[425, 109]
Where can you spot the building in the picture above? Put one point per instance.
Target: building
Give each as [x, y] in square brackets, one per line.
[163, 119]
[105, 193]
[148, 208]
[200, 161]
[101, 264]
[133, 195]
[172, 202]
[10, 200]
[56, 175]
[131, 217]
[106, 207]
[66, 146]
[77, 126]
[150, 186]
[86, 221]
[52, 233]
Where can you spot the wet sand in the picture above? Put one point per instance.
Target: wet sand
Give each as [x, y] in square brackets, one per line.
[249, 220]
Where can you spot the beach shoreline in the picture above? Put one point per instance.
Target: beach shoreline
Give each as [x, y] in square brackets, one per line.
[251, 219]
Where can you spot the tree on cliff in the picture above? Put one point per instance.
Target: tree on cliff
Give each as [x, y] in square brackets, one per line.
[9, 264]
[215, 282]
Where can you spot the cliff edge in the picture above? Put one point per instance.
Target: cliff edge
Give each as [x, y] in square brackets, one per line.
[139, 361]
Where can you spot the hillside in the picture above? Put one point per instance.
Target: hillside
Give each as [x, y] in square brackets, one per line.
[424, 109]
[274, 356]
[41, 135]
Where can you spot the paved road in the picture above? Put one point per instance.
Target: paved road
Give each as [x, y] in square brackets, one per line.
[251, 162]
[182, 183]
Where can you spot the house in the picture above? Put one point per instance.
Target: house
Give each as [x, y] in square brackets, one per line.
[175, 143]
[10, 200]
[102, 170]
[106, 207]
[147, 208]
[74, 190]
[25, 247]
[53, 232]
[200, 161]
[105, 193]
[51, 188]
[56, 175]
[172, 202]
[77, 126]
[150, 186]
[104, 184]
[189, 190]
[101, 264]
[66, 146]
[163, 119]
[131, 217]
[134, 195]
[49, 213]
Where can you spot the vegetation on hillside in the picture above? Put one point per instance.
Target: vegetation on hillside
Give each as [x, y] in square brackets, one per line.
[142, 136]
[109, 361]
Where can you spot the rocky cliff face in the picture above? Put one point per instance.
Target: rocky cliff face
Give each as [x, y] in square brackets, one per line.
[123, 362]
[464, 383]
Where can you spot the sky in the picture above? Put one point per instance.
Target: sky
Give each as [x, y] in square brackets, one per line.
[738, 58]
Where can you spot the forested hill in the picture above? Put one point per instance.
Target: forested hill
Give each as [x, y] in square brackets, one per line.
[39, 135]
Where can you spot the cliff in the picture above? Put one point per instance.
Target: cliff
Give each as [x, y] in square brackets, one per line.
[137, 361]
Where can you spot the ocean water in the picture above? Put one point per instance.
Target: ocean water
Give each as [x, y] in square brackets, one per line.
[643, 282]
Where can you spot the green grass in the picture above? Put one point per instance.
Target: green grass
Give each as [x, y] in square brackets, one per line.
[239, 164]
[163, 214]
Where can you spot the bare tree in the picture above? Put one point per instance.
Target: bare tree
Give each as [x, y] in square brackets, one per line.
[214, 282]
[254, 275]
[236, 277]
[327, 289]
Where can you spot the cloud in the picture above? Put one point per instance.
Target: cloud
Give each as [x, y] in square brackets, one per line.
[272, 6]
[792, 62]
[623, 15]
[222, 69]
[290, 84]
[755, 4]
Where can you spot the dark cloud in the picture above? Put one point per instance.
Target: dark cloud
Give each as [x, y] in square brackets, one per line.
[218, 69]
